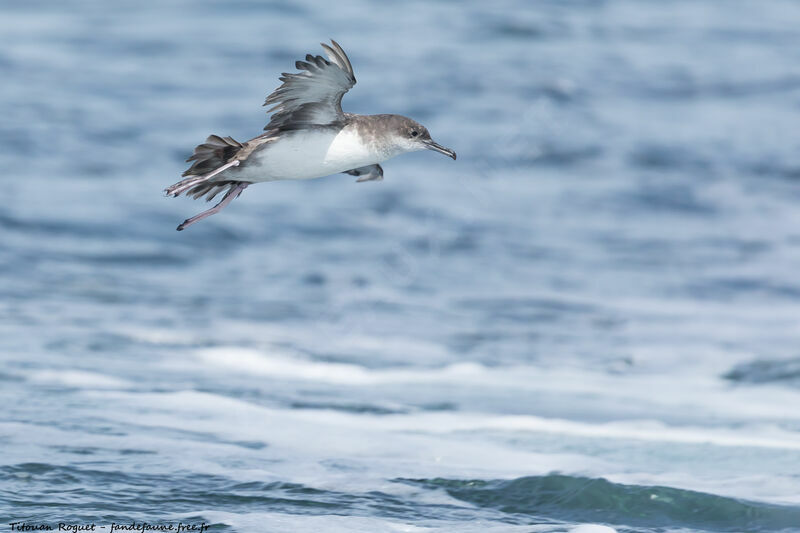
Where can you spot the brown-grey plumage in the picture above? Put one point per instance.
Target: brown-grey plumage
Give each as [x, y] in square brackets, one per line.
[212, 154]
[308, 136]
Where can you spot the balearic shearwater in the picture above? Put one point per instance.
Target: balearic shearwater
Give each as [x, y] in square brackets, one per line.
[308, 136]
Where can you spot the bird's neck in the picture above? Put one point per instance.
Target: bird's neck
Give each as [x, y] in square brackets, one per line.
[371, 131]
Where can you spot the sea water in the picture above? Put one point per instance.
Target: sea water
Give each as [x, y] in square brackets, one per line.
[591, 320]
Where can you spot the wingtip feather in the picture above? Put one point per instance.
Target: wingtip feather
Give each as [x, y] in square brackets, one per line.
[341, 51]
[338, 56]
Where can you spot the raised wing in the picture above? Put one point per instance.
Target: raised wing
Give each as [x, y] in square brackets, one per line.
[313, 96]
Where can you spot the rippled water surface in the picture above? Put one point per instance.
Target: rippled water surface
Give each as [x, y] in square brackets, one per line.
[591, 319]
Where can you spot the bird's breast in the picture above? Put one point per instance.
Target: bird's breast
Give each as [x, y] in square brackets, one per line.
[309, 154]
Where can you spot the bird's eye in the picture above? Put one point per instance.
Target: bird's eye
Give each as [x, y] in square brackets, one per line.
[414, 133]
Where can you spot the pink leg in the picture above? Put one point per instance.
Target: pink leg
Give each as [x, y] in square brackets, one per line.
[233, 193]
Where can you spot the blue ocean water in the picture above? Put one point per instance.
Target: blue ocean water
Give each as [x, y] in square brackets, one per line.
[590, 320]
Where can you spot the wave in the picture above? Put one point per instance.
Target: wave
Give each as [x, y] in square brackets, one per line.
[573, 498]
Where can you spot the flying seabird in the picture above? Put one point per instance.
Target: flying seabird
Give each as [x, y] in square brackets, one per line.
[308, 136]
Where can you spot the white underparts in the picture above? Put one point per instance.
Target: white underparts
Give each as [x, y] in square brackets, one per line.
[309, 154]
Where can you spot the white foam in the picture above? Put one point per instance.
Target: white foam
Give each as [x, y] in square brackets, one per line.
[157, 335]
[80, 379]
[291, 523]
[328, 448]
[592, 528]
[307, 440]
[296, 367]
[645, 430]
[694, 395]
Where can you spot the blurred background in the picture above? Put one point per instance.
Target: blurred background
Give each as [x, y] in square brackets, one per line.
[590, 318]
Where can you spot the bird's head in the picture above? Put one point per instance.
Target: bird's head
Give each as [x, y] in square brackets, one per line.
[409, 135]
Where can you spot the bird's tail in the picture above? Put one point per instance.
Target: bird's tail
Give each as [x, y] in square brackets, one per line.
[210, 159]
[212, 154]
